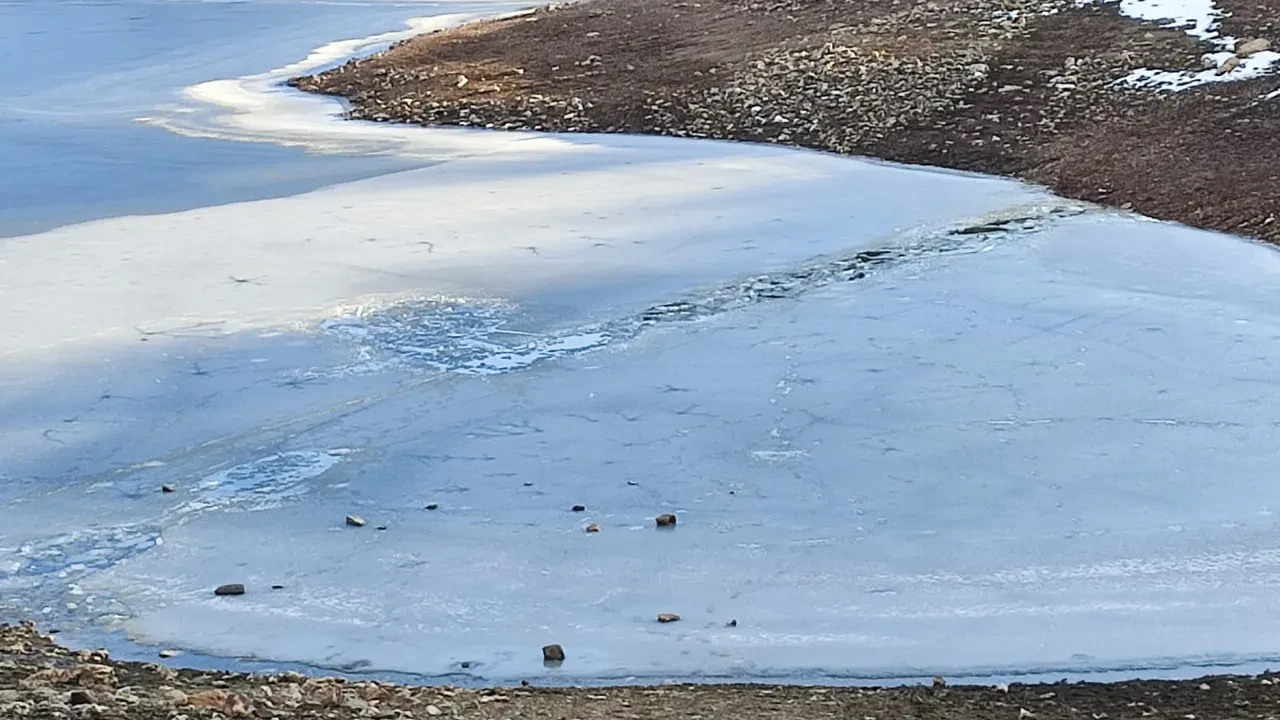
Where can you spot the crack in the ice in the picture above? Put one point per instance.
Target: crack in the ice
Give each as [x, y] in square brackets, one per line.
[469, 337]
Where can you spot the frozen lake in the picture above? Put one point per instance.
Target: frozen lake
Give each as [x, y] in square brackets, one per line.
[912, 422]
[78, 76]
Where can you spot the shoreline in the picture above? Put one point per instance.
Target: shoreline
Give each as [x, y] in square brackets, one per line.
[1041, 97]
[44, 680]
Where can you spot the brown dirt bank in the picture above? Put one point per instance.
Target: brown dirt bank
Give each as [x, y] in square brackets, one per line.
[1012, 87]
[40, 680]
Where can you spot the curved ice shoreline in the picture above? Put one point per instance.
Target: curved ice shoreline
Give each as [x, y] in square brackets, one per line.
[261, 108]
[828, 450]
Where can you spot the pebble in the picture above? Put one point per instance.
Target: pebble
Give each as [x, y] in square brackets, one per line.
[230, 589]
[579, 508]
[665, 520]
[731, 623]
[433, 506]
[169, 653]
[1245, 48]
[593, 528]
[80, 697]
[228, 703]
[668, 617]
[433, 711]
[166, 488]
[553, 654]
[355, 521]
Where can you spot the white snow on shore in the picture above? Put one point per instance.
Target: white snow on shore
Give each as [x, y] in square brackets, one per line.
[1201, 19]
[911, 421]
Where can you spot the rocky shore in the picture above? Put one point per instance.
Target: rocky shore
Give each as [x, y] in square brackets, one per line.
[1025, 88]
[40, 680]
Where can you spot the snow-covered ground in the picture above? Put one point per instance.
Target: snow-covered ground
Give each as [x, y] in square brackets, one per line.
[1202, 20]
[911, 421]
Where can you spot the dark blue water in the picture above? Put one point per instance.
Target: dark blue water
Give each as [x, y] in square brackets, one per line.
[76, 75]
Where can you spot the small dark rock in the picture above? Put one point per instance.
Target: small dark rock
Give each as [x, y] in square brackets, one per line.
[465, 665]
[80, 697]
[668, 617]
[277, 587]
[579, 508]
[433, 506]
[381, 527]
[166, 488]
[524, 683]
[231, 589]
[553, 654]
[665, 520]
[593, 528]
[731, 623]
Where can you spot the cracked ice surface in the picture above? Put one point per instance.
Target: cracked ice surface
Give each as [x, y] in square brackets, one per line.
[911, 421]
[1047, 453]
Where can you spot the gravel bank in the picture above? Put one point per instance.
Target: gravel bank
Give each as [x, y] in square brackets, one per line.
[1024, 88]
[40, 680]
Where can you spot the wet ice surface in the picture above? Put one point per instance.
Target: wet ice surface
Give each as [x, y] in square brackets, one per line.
[911, 422]
[1040, 448]
[78, 77]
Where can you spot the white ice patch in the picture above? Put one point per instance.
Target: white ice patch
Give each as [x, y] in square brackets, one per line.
[530, 353]
[261, 484]
[74, 553]
[468, 337]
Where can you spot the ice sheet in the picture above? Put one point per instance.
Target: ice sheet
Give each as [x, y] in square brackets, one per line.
[1045, 452]
[912, 422]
